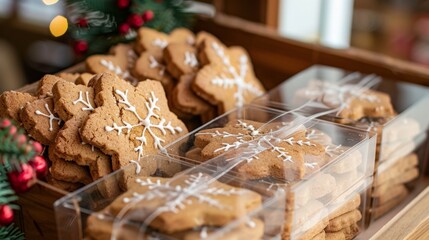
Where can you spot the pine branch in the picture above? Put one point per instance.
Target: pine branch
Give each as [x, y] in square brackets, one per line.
[11, 232]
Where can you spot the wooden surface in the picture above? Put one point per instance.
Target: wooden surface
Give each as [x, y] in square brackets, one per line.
[411, 223]
[276, 58]
[37, 216]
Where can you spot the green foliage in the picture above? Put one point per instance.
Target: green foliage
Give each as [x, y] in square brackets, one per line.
[11, 232]
[168, 15]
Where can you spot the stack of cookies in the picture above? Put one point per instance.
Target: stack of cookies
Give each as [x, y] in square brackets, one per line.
[280, 161]
[369, 109]
[94, 125]
[202, 77]
[398, 164]
[188, 206]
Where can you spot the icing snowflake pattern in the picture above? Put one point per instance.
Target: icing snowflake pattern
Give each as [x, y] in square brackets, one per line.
[238, 76]
[337, 95]
[49, 115]
[155, 64]
[161, 43]
[85, 102]
[146, 122]
[181, 196]
[191, 59]
[116, 69]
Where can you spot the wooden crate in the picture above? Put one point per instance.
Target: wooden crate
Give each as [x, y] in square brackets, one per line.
[275, 59]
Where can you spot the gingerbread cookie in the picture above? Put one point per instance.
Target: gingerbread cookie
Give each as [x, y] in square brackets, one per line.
[407, 176]
[386, 173]
[39, 119]
[71, 77]
[119, 63]
[68, 171]
[66, 186]
[346, 233]
[150, 66]
[151, 40]
[343, 221]
[12, 102]
[130, 122]
[283, 158]
[352, 101]
[177, 210]
[46, 84]
[187, 101]
[84, 79]
[227, 80]
[100, 225]
[181, 59]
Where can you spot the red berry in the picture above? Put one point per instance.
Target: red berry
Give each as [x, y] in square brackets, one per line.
[21, 181]
[21, 139]
[38, 148]
[12, 130]
[80, 47]
[40, 166]
[124, 28]
[148, 15]
[82, 22]
[6, 215]
[5, 123]
[135, 20]
[123, 3]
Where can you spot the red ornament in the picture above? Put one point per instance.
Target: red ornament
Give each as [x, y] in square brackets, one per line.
[40, 166]
[21, 181]
[6, 215]
[135, 20]
[124, 28]
[123, 3]
[148, 15]
[80, 47]
[82, 22]
[5, 123]
[38, 148]
[12, 130]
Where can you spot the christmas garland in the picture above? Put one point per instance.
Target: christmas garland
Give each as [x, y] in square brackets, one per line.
[20, 164]
[96, 25]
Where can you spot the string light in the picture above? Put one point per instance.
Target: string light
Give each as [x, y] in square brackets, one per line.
[58, 26]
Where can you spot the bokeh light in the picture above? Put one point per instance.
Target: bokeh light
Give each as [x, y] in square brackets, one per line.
[49, 2]
[58, 26]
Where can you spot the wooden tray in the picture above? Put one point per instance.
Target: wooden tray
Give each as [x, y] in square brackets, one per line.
[275, 59]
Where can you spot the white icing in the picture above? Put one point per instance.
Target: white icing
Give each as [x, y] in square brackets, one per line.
[334, 150]
[155, 64]
[161, 43]
[146, 122]
[125, 74]
[178, 197]
[203, 233]
[191, 59]
[237, 80]
[251, 224]
[85, 102]
[138, 167]
[49, 115]
[92, 146]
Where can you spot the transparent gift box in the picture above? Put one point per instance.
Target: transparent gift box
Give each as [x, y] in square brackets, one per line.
[280, 150]
[199, 202]
[401, 153]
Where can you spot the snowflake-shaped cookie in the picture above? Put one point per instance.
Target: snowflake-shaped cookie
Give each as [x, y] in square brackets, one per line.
[130, 121]
[196, 196]
[352, 100]
[287, 158]
[121, 59]
[227, 80]
[151, 40]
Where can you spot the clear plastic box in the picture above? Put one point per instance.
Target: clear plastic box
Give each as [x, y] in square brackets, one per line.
[398, 136]
[88, 213]
[348, 161]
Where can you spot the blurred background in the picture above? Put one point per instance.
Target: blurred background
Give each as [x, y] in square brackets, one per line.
[33, 38]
